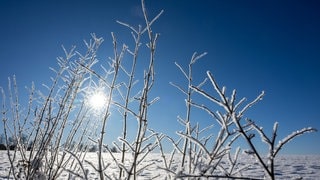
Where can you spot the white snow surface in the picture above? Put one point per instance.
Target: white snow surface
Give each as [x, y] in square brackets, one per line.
[287, 167]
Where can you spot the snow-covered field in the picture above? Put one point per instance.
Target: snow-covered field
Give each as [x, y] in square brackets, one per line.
[293, 167]
[287, 167]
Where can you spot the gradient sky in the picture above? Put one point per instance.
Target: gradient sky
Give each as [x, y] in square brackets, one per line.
[252, 46]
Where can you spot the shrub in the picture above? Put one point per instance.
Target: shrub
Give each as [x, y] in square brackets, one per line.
[3, 147]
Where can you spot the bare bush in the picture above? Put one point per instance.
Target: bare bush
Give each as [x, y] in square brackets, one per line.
[201, 159]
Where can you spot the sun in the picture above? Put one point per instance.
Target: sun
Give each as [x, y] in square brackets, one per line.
[97, 100]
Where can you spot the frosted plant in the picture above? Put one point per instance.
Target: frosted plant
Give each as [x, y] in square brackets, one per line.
[47, 120]
[62, 128]
[140, 148]
[119, 80]
[200, 158]
[274, 148]
[235, 112]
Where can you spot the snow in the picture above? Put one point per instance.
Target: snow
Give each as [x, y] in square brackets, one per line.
[287, 167]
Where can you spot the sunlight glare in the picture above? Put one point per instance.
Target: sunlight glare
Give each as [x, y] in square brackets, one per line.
[97, 100]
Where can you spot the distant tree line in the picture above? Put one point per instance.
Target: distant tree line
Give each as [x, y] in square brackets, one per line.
[12, 144]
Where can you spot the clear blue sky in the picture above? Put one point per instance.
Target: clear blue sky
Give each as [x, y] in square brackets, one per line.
[252, 46]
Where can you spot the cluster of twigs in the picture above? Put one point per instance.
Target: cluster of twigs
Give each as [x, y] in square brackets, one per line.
[201, 159]
[48, 117]
[60, 129]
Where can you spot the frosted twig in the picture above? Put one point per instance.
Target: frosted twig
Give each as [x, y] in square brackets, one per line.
[258, 98]
[125, 108]
[181, 69]
[205, 94]
[148, 24]
[154, 19]
[218, 90]
[80, 164]
[129, 26]
[262, 134]
[205, 108]
[175, 144]
[179, 88]
[126, 142]
[196, 57]
[292, 136]
[233, 99]
[195, 141]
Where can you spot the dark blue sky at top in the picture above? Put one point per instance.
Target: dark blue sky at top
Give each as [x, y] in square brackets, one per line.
[252, 46]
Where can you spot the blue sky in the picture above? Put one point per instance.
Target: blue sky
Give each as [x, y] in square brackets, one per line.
[252, 46]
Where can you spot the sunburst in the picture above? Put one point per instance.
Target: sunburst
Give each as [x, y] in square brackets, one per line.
[97, 100]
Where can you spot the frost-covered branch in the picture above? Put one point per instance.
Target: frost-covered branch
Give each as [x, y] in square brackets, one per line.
[291, 137]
